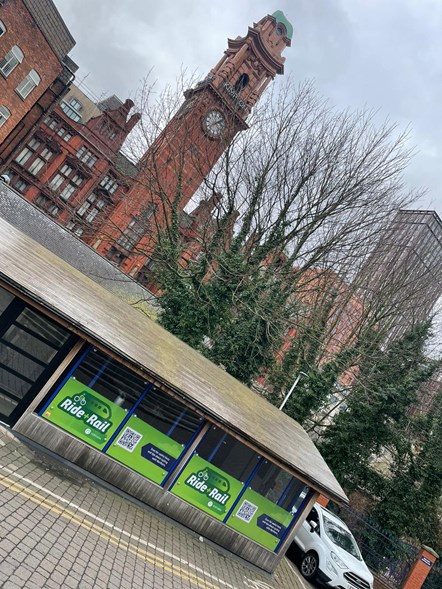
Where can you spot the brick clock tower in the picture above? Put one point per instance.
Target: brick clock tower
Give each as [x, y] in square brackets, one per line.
[174, 166]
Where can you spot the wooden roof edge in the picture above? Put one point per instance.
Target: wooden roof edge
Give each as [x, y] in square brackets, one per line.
[329, 486]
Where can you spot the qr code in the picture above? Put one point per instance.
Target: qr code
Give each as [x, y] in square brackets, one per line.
[129, 439]
[246, 511]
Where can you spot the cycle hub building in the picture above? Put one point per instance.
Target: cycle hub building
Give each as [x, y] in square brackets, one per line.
[90, 378]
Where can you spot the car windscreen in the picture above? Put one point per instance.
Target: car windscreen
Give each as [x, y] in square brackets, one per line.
[341, 537]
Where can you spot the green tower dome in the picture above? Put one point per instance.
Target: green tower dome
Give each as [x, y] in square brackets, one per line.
[280, 17]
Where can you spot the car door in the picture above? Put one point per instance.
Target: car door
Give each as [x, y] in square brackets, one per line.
[304, 535]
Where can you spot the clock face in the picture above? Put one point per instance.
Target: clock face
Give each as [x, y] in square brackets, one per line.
[214, 123]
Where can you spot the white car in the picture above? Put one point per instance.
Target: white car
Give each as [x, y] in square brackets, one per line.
[330, 553]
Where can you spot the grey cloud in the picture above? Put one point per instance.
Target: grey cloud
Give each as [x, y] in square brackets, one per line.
[374, 53]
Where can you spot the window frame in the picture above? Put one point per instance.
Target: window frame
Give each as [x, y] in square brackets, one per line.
[59, 128]
[28, 84]
[66, 181]
[109, 183]
[33, 158]
[87, 156]
[93, 205]
[11, 60]
[132, 234]
[72, 108]
[20, 181]
[45, 203]
[5, 113]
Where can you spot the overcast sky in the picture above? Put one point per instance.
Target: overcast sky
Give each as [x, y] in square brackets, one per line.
[384, 54]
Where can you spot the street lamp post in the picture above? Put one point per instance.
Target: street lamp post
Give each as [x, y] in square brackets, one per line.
[287, 397]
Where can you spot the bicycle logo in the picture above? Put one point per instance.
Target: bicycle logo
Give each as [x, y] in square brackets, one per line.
[203, 475]
[80, 399]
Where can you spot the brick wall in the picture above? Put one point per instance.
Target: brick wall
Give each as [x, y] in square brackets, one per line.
[21, 30]
[421, 568]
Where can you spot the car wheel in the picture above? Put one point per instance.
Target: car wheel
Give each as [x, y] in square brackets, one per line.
[309, 565]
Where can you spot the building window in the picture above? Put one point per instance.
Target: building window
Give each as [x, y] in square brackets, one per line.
[37, 164]
[20, 185]
[57, 125]
[27, 152]
[225, 464]
[228, 454]
[66, 182]
[87, 156]
[148, 212]
[75, 104]
[107, 130]
[5, 113]
[45, 203]
[72, 108]
[131, 235]
[2, 28]
[11, 61]
[109, 184]
[260, 499]
[51, 122]
[34, 156]
[63, 134]
[145, 275]
[115, 256]
[28, 84]
[241, 83]
[76, 229]
[92, 206]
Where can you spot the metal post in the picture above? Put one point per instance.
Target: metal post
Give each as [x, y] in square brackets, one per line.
[287, 397]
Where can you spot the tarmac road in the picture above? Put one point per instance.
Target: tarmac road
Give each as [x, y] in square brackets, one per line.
[61, 529]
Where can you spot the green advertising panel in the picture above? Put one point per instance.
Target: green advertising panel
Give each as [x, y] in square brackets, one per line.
[260, 519]
[146, 450]
[84, 413]
[207, 487]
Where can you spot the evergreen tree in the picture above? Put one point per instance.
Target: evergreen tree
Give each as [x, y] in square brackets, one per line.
[385, 388]
[411, 502]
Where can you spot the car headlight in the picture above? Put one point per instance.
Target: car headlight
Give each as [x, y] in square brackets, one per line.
[331, 568]
[338, 561]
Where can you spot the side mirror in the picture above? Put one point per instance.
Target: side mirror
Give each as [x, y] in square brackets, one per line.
[313, 527]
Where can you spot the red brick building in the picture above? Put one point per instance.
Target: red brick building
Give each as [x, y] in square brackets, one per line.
[71, 167]
[192, 142]
[322, 297]
[35, 70]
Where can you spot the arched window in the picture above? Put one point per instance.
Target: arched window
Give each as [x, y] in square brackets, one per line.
[26, 86]
[11, 61]
[241, 82]
[4, 114]
[2, 28]
[72, 108]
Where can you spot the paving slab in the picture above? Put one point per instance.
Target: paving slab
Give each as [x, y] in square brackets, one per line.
[60, 528]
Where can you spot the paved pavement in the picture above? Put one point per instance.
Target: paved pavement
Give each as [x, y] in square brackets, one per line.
[60, 529]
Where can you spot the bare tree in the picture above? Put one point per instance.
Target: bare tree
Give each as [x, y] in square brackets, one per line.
[305, 189]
